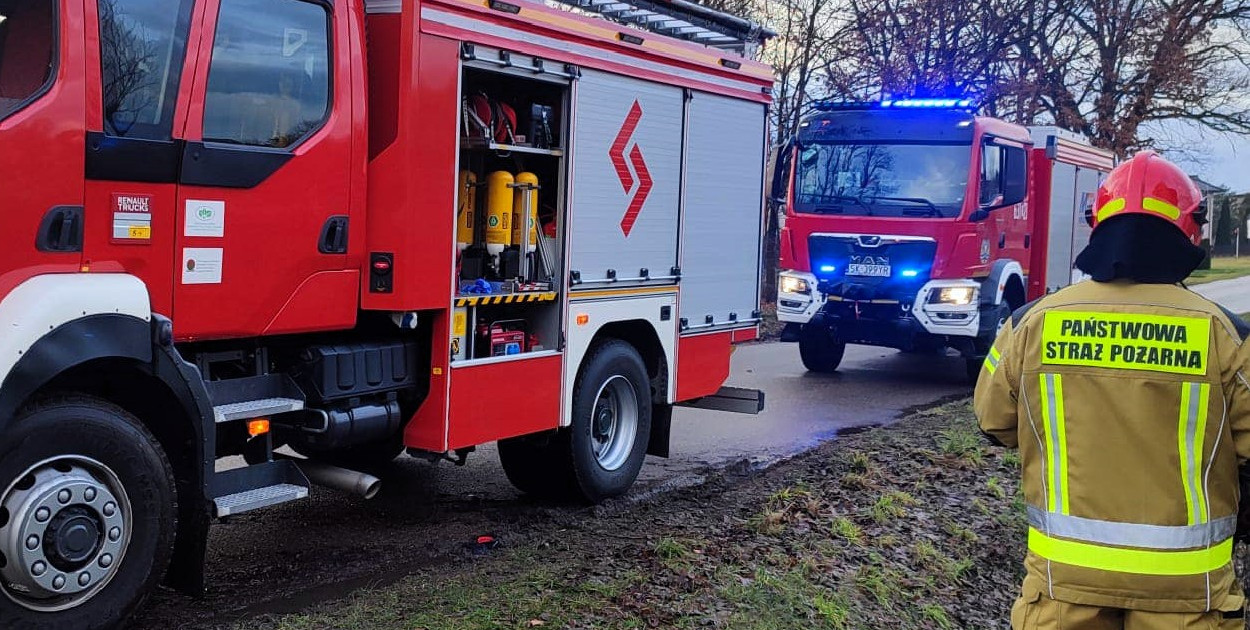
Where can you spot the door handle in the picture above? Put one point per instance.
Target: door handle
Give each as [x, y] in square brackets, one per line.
[61, 230]
[334, 236]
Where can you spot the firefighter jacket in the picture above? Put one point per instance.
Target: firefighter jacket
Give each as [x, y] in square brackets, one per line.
[1131, 409]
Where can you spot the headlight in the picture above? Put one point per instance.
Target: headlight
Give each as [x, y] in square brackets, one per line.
[791, 284]
[956, 296]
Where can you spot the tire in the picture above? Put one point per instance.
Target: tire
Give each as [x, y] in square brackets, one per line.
[601, 454]
[972, 364]
[533, 464]
[820, 352]
[96, 468]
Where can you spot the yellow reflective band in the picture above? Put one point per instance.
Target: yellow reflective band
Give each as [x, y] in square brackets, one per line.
[1138, 561]
[1061, 424]
[1056, 444]
[1162, 207]
[1126, 341]
[1110, 208]
[992, 361]
[1189, 436]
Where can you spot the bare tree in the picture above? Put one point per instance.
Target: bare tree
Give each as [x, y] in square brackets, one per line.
[925, 47]
[1107, 67]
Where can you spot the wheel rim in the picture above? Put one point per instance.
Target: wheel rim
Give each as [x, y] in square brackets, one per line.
[614, 422]
[65, 525]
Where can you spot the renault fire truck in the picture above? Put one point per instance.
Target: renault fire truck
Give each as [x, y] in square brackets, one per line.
[354, 229]
[917, 225]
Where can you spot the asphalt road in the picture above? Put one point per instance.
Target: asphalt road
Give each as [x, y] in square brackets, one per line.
[1233, 295]
[289, 557]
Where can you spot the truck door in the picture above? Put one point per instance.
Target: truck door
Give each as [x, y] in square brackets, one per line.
[42, 130]
[137, 96]
[264, 205]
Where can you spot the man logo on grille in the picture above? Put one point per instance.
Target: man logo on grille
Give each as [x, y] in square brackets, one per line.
[640, 187]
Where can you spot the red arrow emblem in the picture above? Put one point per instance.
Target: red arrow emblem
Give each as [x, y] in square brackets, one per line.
[643, 181]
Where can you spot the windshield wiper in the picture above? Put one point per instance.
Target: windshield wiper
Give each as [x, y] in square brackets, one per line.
[931, 211]
[859, 202]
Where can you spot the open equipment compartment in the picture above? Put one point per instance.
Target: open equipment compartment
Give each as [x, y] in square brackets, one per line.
[510, 208]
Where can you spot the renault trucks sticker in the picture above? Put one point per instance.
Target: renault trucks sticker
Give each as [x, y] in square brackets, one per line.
[132, 219]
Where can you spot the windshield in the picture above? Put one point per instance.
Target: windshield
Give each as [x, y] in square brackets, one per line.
[890, 180]
[27, 51]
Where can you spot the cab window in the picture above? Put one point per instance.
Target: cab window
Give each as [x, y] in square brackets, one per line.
[991, 173]
[269, 82]
[142, 47]
[27, 51]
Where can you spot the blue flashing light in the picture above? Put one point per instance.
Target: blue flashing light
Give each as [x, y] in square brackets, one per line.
[898, 103]
[910, 273]
[828, 269]
[930, 103]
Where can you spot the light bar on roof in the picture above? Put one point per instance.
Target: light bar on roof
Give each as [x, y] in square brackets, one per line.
[932, 103]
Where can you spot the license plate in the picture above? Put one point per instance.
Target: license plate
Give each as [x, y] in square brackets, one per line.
[864, 269]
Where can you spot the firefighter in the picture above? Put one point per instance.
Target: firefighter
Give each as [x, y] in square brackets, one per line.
[1128, 398]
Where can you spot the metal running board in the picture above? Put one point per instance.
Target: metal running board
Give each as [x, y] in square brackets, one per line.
[731, 399]
[249, 500]
[249, 409]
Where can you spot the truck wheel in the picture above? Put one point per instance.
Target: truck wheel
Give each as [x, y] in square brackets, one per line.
[820, 352]
[601, 454]
[972, 364]
[611, 422]
[87, 515]
[533, 464]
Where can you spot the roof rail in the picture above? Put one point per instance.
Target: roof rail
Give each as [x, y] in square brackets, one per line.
[681, 19]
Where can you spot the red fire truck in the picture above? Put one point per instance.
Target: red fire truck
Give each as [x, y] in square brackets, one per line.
[352, 228]
[916, 224]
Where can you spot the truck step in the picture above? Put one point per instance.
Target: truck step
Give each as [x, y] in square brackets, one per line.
[249, 409]
[258, 498]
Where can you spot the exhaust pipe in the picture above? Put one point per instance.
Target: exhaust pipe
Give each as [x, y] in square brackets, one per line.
[342, 479]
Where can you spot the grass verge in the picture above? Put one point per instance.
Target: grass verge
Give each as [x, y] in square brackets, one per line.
[1222, 268]
[930, 536]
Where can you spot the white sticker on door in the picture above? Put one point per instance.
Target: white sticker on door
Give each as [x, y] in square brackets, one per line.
[205, 218]
[201, 265]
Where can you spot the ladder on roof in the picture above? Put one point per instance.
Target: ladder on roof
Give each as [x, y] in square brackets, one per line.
[682, 20]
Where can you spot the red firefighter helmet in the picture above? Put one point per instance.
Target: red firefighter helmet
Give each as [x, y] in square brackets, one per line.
[1149, 184]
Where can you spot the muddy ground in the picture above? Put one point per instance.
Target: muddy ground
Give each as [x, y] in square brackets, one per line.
[917, 525]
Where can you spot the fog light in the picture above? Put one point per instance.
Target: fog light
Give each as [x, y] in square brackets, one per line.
[791, 284]
[956, 296]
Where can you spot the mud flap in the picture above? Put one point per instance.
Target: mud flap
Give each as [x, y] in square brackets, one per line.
[661, 428]
[186, 567]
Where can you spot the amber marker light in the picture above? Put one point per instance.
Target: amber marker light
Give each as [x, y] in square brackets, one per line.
[258, 427]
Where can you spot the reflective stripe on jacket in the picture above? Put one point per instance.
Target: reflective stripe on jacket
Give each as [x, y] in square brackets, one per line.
[1131, 411]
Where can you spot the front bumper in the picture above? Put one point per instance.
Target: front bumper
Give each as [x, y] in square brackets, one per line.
[878, 316]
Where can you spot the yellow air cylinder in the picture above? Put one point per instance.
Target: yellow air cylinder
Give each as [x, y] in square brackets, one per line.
[518, 210]
[499, 196]
[467, 209]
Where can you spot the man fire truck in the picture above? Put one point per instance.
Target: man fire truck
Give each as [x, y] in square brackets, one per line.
[236, 225]
[916, 224]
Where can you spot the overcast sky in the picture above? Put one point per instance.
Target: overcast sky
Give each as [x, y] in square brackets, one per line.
[1222, 159]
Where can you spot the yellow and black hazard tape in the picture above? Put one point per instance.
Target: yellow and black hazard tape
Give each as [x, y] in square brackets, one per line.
[510, 298]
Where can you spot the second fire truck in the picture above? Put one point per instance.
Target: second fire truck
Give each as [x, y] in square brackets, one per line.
[918, 225]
